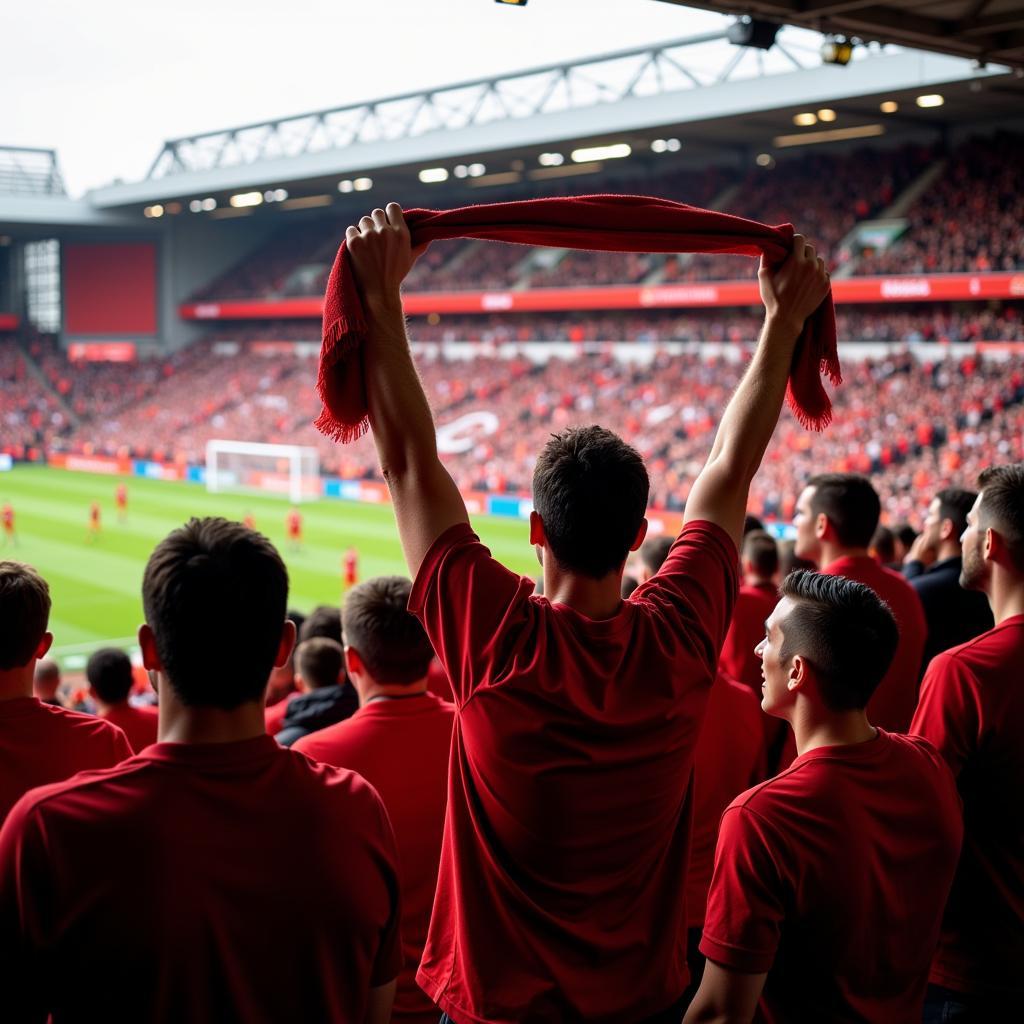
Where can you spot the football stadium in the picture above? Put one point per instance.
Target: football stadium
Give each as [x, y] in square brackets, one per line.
[715, 709]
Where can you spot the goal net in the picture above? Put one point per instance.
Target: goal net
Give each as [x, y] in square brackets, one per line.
[289, 470]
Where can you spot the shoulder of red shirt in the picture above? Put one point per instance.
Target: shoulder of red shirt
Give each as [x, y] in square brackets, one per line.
[964, 652]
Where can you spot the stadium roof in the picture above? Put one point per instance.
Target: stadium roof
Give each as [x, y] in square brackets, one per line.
[700, 89]
[985, 30]
[714, 101]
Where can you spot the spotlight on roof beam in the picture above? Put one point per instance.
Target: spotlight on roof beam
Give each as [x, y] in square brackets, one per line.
[838, 50]
[551, 159]
[432, 175]
[889, 107]
[932, 99]
[246, 199]
[752, 32]
[615, 151]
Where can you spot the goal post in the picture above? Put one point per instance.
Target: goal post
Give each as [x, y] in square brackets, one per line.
[290, 470]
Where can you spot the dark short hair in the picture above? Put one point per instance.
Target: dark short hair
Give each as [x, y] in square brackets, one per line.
[844, 630]
[214, 594]
[1002, 507]
[954, 504]
[761, 551]
[654, 551]
[324, 620]
[319, 660]
[751, 523]
[376, 622]
[109, 671]
[883, 543]
[24, 613]
[590, 488]
[788, 560]
[905, 534]
[851, 503]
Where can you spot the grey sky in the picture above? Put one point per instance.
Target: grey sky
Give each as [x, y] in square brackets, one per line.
[106, 81]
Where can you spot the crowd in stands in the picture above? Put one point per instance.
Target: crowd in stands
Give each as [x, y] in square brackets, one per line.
[908, 423]
[29, 411]
[738, 793]
[968, 220]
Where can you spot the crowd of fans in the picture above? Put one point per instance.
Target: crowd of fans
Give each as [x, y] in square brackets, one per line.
[967, 220]
[910, 424]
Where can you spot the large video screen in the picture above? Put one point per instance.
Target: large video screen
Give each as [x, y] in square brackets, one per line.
[110, 288]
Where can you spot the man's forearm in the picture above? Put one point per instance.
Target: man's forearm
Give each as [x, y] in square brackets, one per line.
[753, 411]
[400, 416]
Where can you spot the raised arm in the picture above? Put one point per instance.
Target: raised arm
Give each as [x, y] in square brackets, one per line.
[790, 294]
[425, 497]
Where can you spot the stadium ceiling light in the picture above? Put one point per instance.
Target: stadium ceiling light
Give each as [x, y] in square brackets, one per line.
[275, 195]
[476, 170]
[500, 178]
[196, 206]
[305, 202]
[173, 208]
[153, 211]
[551, 159]
[243, 199]
[827, 115]
[931, 99]
[753, 32]
[615, 151]
[806, 119]
[837, 51]
[864, 131]
[345, 185]
[569, 171]
[208, 204]
[363, 184]
[461, 171]
[765, 160]
[433, 175]
[889, 107]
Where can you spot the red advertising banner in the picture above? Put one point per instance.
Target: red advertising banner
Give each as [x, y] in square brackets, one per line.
[110, 288]
[8, 322]
[927, 288]
[102, 352]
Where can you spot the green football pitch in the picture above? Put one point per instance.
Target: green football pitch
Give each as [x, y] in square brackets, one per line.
[95, 585]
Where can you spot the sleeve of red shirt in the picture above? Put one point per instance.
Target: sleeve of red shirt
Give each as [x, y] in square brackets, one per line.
[948, 714]
[745, 905]
[121, 749]
[698, 581]
[468, 603]
[24, 987]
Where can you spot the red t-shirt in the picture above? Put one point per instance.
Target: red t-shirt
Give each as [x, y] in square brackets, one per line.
[166, 890]
[42, 743]
[401, 748]
[138, 725]
[754, 604]
[832, 877]
[274, 716]
[561, 890]
[972, 709]
[294, 522]
[892, 705]
[8, 516]
[729, 759]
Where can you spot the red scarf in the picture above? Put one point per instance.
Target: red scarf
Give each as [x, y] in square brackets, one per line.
[611, 223]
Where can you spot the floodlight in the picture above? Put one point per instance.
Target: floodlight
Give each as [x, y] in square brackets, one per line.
[752, 32]
[838, 51]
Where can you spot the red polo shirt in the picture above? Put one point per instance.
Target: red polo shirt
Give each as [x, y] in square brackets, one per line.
[892, 705]
[832, 877]
[167, 890]
[42, 743]
[972, 709]
[561, 890]
[729, 759]
[401, 747]
[755, 602]
[138, 724]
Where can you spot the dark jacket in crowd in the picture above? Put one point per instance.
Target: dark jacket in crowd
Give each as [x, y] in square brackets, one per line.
[317, 710]
[954, 615]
